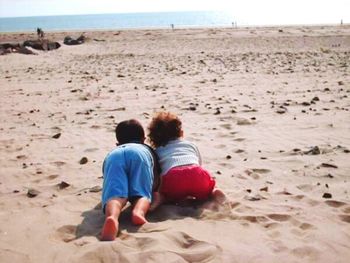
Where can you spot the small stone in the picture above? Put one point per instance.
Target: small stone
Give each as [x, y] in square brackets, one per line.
[330, 176]
[327, 195]
[306, 103]
[228, 157]
[314, 151]
[95, 189]
[265, 189]
[83, 160]
[328, 165]
[63, 185]
[32, 193]
[254, 198]
[57, 135]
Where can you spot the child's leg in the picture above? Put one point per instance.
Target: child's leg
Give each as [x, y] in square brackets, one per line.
[218, 196]
[141, 207]
[111, 225]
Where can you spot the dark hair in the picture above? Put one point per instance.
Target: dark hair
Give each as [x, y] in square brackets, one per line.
[164, 127]
[129, 131]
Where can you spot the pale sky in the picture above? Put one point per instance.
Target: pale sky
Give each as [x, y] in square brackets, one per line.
[253, 12]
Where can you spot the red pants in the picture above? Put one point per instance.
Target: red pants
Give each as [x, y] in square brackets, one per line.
[183, 181]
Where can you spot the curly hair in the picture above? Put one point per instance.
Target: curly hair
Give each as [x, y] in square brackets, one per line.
[164, 127]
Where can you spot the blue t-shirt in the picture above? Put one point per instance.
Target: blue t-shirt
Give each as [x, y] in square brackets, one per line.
[128, 172]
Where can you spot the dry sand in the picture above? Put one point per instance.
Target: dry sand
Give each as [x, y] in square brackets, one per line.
[267, 107]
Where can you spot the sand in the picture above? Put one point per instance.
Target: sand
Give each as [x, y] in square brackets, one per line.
[268, 108]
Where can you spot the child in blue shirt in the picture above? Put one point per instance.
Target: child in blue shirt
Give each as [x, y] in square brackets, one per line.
[129, 174]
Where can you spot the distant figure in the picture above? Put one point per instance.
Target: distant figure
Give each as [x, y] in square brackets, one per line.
[172, 26]
[40, 32]
[341, 22]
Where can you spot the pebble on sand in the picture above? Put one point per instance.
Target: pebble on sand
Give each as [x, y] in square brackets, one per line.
[327, 195]
[57, 135]
[83, 160]
[32, 193]
[63, 185]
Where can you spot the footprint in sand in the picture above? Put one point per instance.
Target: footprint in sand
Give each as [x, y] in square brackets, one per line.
[306, 187]
[66, 233]
[59, 163]
[306, 252]
[334, 203]
[244, 122]
[52, 177]
[279, 217]
[152, 227]
[345, 218]
[191, 249]
[346, 210]
[261, 170]
[306, 226]
[255, 219]
[226, 126]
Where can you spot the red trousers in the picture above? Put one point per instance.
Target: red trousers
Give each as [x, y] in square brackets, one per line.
[187, 181]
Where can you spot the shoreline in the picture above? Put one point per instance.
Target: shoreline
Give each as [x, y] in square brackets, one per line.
[239, 27]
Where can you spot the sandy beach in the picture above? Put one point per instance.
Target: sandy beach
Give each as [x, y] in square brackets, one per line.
[268, 107]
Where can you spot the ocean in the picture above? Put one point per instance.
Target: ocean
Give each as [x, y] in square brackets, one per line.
[116, 21]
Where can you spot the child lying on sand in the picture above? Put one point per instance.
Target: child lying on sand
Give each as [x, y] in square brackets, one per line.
[129, 173]
[181, 173]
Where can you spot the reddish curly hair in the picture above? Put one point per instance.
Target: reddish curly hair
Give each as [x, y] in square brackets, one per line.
[164, 127]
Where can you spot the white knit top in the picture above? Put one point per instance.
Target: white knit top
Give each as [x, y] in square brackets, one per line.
[177, 153]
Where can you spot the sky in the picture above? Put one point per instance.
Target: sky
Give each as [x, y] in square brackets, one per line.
[247, 12]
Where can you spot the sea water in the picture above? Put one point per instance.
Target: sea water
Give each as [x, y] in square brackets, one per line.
[116, 21]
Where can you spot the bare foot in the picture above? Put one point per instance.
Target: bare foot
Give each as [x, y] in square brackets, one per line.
[219, 196]
[110, 229]
[157, 201]
[138, 218]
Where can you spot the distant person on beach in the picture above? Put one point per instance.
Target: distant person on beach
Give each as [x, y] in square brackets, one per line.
[129, 174]
[182, 175]
[40, 32]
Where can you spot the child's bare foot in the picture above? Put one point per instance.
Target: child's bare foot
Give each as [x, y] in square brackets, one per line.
[219, 196]
[138, 218]
[110, 229]
[157, 201]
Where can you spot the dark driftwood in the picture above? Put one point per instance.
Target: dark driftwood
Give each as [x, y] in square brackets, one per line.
[71, 41]
[42, 44]
[6, 48]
